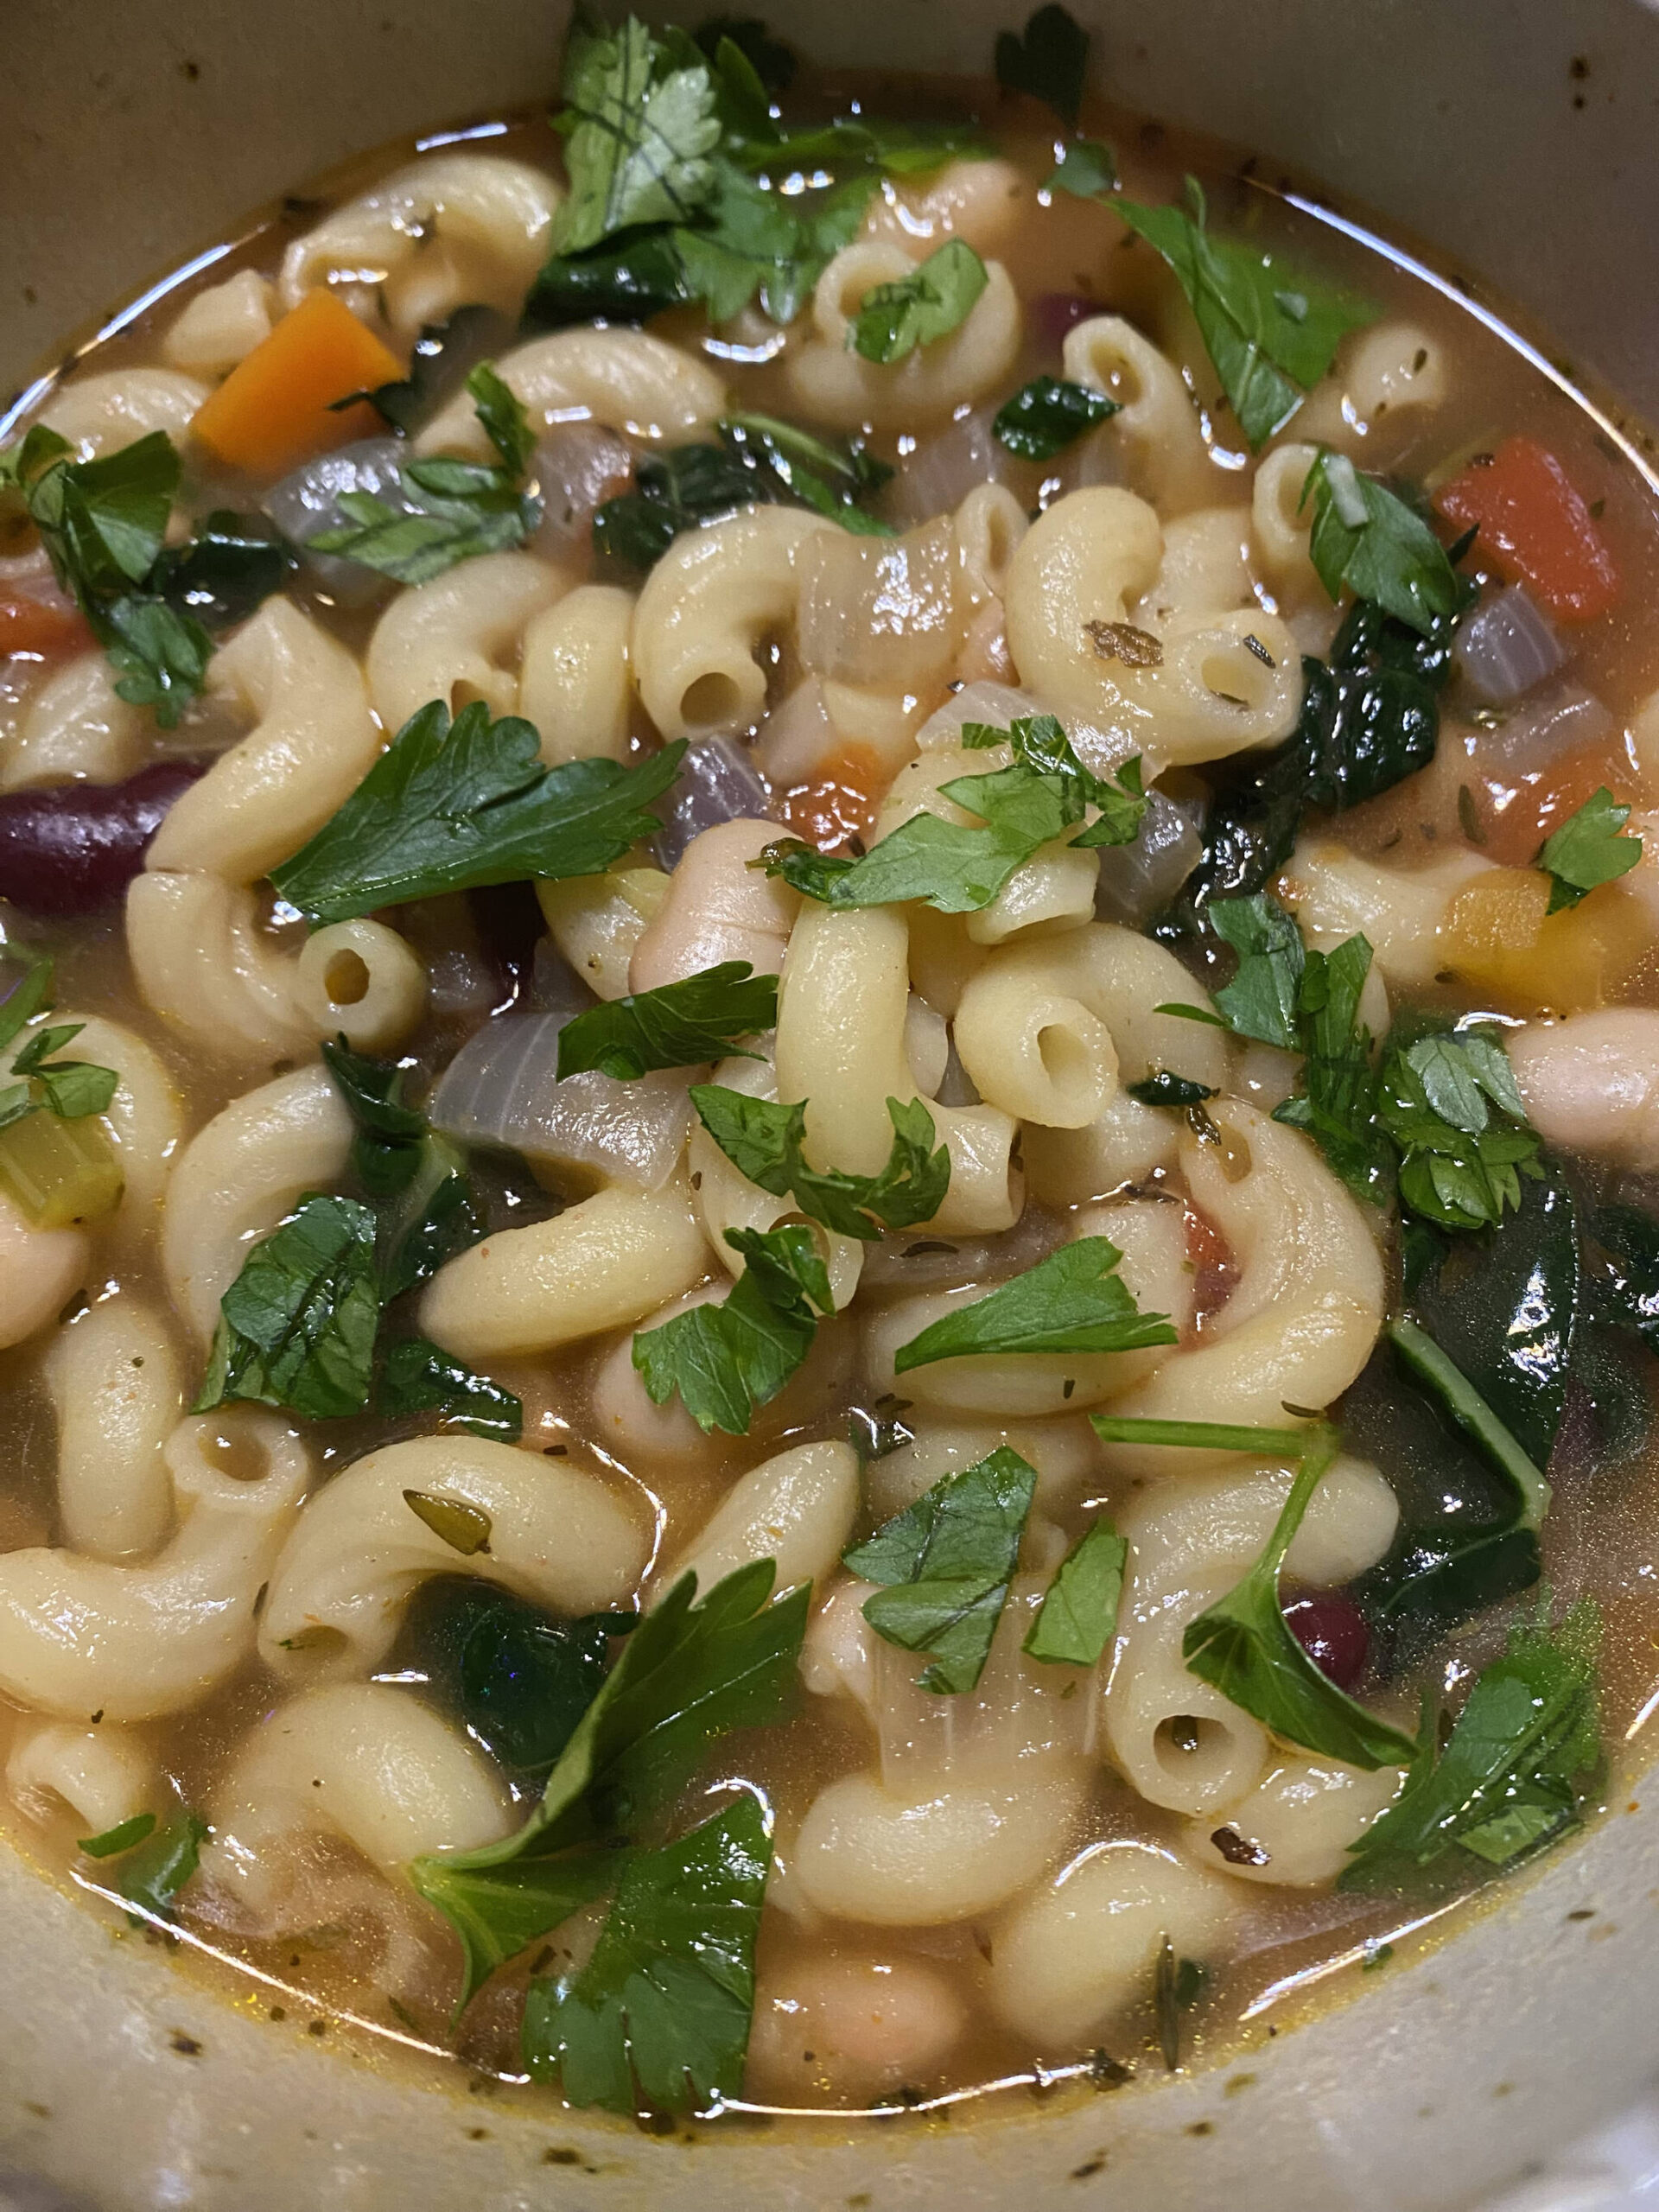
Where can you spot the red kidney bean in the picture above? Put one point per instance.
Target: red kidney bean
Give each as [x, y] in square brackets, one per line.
[72, 848]
[1332, 1630]
[1053, 313]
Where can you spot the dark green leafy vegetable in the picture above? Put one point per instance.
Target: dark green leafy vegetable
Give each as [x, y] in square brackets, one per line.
[297, 1326]
[1243, 1646]
[1072, 1301]
[678, 1026]
[161, 1864]
[687, 1674]
[1049, 61]
[451, 806]
[1448, 1382]
[1085, 170]
[1047, 415]
[1163, 1089]
[415, 1179]
[118, 1839]
[1590, 847]
[1079, 1609]
[230, 566]
[1271, 331]
[629, 278]
[1264, 1000]
[1626, 1287]
[1202, 1435]
[728, 1357]
[438, 365]
[417, 1378]
[765, 1141]
[935, 299]
[1505, 1785]
[1367, 539]
[946, 1563]
[662, 2010]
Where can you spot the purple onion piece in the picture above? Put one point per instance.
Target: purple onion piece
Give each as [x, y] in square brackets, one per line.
[578, 467]
[717, 782]
[920, 1259]
[1507, 648]
[1054, 315]
[1137, 880]
[72, 848]
[306, 502]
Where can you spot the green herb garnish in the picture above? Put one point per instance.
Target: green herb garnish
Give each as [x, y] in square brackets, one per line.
[1590, 848]
[297, 1328]
[1047, 415]
[726, 1359]
[417, 1376]
[681, 1025]
[1367, 539]
[765, 1142]
[1079, 1609]
[1072, 1301]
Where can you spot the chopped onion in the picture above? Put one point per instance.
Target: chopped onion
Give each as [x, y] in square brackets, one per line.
[578, 467]
[502, 1088]
[1342, 481]
[1507, 648]
[1137, 880]
[880, 612]
[797, 736]
[306, 503]
[997, 704]
[917, 1259]
[937, 477]
[717, 782]
[1560, 720]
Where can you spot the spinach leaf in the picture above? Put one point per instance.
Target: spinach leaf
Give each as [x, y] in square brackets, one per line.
[1162, 1089]
[440, 361]
[629, 278]
[1430, 1366]
[1505, 1785]
[1085, 170]
[1271, 332]
[1590, 848]
[687, 1674]
[416, 1179]
[1079, 1609]
[231, 565]
[1050, 61]
[1047, 415]
[1072, 1301]
[1244, 1647]
[935, 299]
[1366, 537]
[946, 1563]
[1626, 1283]
[450, 806]
[726, 1359]
[297, 1328]
[765, 1141]
[677, 1025]
[418, 1377]
[661, 2009]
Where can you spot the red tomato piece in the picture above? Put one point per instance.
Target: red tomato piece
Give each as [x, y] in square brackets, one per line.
[31, 624]
[1535, 525]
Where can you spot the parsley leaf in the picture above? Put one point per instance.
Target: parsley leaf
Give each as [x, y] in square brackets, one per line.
[159, 655]
[1263, 998]
[1590, 847]
[163, 1861]
[1079, 1610]
[677, 1025]
[1085, 170]
[506, 423]
[765, 1141]
[72, 1089]
[297, 1326]
[726, 1359]
[1445, 1381]
[415, 1178]
[1049, 61]
[1338, 1104]
[1504, 1785]
[1047, 415]
[947, 1563]
[418, 1377]
[1072, 1302]
[1243, 1647]
[1271, 332]
[661, 2009]
[639, 135]
[687, 1674]
[452, 806]
[1460, 1165]
[122, 1837]
[935, 299]
[1366, 537]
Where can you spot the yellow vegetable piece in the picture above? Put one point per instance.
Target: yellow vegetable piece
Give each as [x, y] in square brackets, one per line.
[61, 1173]
[1498, 935]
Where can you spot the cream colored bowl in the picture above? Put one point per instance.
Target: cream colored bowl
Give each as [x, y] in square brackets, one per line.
[1518, 134]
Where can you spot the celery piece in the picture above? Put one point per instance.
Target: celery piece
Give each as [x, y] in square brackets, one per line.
[60, 1173]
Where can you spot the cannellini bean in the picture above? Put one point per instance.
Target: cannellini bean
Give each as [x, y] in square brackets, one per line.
[850, 2028]
[1592, 1083]
[1297, 1824]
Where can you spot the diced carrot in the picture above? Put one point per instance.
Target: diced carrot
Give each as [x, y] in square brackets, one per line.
[46, 627]
[840, 804]
[1535, 525]
[1499, 936]
[274, 407]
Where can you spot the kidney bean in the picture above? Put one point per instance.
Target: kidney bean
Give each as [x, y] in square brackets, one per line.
[1332, 1630]
[72, 848]
[1055, 313]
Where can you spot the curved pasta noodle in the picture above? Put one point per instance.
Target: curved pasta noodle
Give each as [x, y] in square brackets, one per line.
[627, 1425]
[708, 606]
[841, 1047]
[104, 1775]
[100, 414]
[718, 907]
[1206, 568]
[980, 200]
[80, 1635]
[238, 1176]
[447, 639]
[40, 1270]
[312, 744]
[611, 1260]
[202, 962]
[1157, 424]
[576, 682]
[360, 980]
[441, 233]
[359, 1550]
[797, 1508]
[361, 1761]
[113, 1375]
[834, 385]
[625, 380]
[1302, 1321]
[75, 726]
[1300, 1821]
[220, 325]
[596, 921]
[1393, 368]
[1590, 1083]
[1281, 523]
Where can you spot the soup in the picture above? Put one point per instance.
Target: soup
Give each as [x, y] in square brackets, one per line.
[827, 1217]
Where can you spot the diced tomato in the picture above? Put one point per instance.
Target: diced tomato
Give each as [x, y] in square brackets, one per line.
[1535, 525]
[43, 626]
[1211, 1258]
[1518, 812]
[838, 805]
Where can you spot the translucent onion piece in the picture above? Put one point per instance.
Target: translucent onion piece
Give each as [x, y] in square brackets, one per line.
[502, 1088]
[306, 502]
[878, 611]
[578, 467]
[1507, 648]
[1560, 720]
[920, 1259]
[995, 704]
[1136, 881]
[937, 477]
[717, 782]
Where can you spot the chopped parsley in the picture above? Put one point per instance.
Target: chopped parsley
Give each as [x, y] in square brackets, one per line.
[1073, 1301]
[765, 1142]
[298, 1328]
[1590, 848]
[72, 1089]
[726, 1359]
[1079, 1609]
[1047, 415]
[936, 298]
[681, 1025]
[1367, 539]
